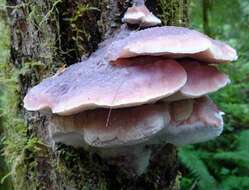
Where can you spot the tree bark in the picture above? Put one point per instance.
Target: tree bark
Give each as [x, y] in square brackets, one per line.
[205, 11]
[47, 35]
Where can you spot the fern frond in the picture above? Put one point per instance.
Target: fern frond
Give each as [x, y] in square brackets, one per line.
[243, 141]
[193, 162]
[239, 157]
[235, 182]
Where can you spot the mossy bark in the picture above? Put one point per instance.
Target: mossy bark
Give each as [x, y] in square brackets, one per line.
[47, 35]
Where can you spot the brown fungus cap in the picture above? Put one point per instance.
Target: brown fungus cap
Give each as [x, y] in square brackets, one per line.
[105, 127]
[188, 121]
[181, 110]
[125, 126]
[196, 121]
[179, 123]
[96, 83]
[172, 42]
[140, 15]
[196, 110]
[202, 79]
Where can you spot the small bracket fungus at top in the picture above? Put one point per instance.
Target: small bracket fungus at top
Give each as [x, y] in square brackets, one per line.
[137, 90]
[139, 14]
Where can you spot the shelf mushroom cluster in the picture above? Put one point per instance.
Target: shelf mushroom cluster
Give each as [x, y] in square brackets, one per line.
[140, 87]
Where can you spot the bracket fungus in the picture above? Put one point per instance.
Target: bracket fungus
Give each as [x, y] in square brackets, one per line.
[95, 83]
[172, 42]
[139, 89]
[139, 14]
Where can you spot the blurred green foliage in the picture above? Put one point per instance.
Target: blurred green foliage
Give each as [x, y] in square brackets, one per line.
[223, 163]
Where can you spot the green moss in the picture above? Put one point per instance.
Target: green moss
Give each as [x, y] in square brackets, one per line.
[81, 9]
[79, 33]
[23, 151]
[4, 52]
[71, 162]
[178, 181]
[14, 126]
[20, 148]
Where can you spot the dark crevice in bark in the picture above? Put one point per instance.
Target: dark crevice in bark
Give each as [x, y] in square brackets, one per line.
[79, 31]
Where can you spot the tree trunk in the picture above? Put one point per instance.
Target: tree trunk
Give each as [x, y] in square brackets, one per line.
[205, 11]
[47, 35]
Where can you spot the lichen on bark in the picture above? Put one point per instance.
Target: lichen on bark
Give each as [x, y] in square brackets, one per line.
[45, 36]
